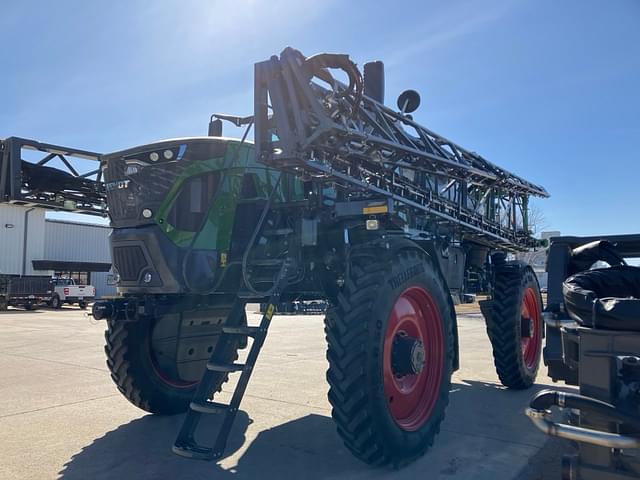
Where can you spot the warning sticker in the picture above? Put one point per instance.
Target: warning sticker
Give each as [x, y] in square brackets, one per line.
[270, 310]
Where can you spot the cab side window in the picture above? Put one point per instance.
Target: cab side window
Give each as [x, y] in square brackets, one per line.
[193, 201]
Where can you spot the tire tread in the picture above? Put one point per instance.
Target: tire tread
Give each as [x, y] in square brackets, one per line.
[347, 334]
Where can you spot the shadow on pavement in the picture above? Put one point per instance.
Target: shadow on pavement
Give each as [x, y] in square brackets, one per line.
[309, 447]
[306, 447]
[141, 449]
[547, 463]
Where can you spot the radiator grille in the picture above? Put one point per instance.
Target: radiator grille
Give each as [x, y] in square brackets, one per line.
[129, 261]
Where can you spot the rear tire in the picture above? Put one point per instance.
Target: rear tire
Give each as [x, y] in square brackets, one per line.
[516, 304]
[82, 305]
[361, 328]
[139, 378]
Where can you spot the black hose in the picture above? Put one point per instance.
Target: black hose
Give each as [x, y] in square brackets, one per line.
[206, 217]
[245, 256]
[546, 399]
[319, 63]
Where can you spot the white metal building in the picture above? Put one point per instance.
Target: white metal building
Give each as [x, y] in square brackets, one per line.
[31, 244]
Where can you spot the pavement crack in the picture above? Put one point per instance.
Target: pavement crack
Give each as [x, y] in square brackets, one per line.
[308, 405]
[59, 405]
[68, 364]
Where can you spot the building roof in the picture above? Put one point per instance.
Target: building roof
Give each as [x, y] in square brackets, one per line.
[83, 224]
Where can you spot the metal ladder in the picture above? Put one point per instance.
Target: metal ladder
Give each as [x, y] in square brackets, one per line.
[185, 444]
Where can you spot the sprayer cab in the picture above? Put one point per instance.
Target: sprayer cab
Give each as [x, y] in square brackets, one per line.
[173, 208]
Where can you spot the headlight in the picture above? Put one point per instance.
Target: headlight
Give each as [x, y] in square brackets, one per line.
[131, 170]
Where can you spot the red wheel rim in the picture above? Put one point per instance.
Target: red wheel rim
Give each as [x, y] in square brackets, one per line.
[530, 342]
[412, 397]
[175, 383]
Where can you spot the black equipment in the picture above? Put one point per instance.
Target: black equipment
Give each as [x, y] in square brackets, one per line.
[593, 341]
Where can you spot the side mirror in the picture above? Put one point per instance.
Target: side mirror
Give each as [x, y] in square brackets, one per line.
[408, 101]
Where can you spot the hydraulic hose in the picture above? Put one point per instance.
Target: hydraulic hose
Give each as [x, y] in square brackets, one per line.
[245, 256]
[318, 65]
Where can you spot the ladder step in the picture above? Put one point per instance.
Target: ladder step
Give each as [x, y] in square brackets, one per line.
[194, 451]
[248, 331]
[225, 367]
[208, 407]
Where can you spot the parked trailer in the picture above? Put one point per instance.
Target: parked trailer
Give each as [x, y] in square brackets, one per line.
[25, 291]
[29, 291]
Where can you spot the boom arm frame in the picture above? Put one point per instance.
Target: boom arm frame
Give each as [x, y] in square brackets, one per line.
[63, 178]
[339, 135]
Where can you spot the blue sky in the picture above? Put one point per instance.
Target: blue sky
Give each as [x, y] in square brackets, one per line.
[547, 89]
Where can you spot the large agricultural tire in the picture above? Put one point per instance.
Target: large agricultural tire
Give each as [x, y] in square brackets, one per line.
[140, 379]
[385, 412]
[515, 325]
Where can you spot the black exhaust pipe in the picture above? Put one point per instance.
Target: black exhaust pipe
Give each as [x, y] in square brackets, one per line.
[374, 81]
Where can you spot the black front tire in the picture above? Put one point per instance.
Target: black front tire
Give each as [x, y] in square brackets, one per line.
[504, 325]
[55, 302]
[355, 329]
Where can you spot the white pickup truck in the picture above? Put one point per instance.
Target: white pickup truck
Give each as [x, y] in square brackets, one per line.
[65, 290]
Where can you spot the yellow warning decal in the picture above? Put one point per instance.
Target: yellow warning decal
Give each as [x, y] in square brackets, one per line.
[270, 310]
[223, 259]
[375, 209]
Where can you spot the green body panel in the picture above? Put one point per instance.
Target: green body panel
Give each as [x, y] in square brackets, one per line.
[238, 160]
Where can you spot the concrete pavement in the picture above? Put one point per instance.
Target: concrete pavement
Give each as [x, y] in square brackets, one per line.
[61, 416]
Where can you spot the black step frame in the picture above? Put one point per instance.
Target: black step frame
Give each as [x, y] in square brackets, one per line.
[185, 444]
